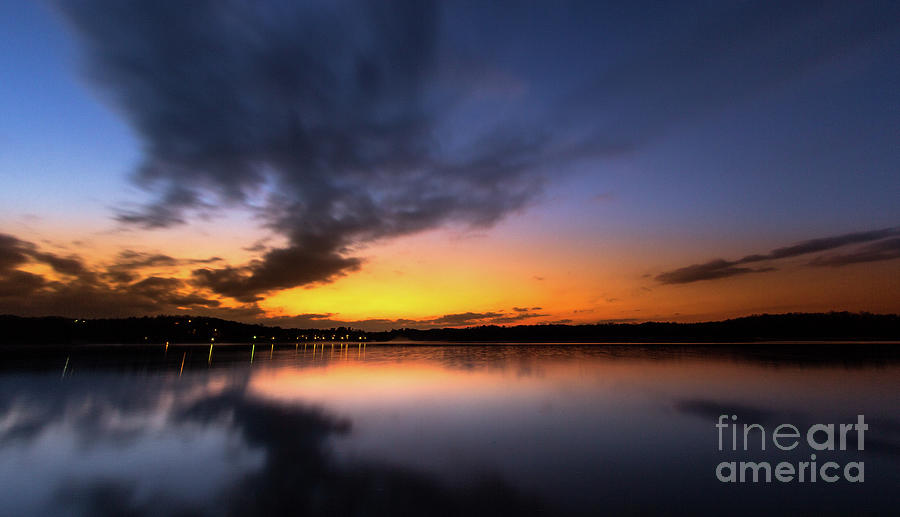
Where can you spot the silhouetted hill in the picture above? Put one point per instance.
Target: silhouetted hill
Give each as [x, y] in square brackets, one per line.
[792, 326]
[179, 329]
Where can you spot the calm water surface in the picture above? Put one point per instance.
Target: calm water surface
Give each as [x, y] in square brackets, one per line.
[436, 430]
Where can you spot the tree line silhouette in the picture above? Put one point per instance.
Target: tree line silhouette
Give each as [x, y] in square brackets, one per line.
[187, 329]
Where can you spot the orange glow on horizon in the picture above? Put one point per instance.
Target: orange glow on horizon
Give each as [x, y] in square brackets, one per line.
[426, 276]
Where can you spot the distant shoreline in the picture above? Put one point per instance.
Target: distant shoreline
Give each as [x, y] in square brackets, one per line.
[765, 329]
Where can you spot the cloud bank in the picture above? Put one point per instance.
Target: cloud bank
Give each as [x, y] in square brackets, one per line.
[132, 284]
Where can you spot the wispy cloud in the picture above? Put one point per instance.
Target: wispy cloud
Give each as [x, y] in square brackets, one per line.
[886, 249]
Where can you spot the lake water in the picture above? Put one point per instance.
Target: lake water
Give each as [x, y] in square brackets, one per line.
[439, 430]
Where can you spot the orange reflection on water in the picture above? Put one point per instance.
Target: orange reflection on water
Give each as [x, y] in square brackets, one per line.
[602, 375]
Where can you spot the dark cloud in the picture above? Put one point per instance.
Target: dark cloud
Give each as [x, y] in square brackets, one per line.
[257, 246]
[128, 263]
[328, 109]
[526, 309]
[464, 318]
[71, 265]
[13, 251]
[513, 318]
[121, 289]
[480, 318]
[19, 283]
[827, 243]
[167, 290]
[711, 270]
[279, 268]
[308, 320]
[885, 250]
[133, 259]
[145, 297]
[720, 268]
[166, 211]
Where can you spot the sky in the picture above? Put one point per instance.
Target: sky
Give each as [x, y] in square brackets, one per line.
[424, 164]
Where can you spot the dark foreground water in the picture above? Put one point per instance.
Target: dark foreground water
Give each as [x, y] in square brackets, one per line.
[440, 430]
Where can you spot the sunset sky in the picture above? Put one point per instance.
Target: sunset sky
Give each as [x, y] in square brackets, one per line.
[408, 163]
